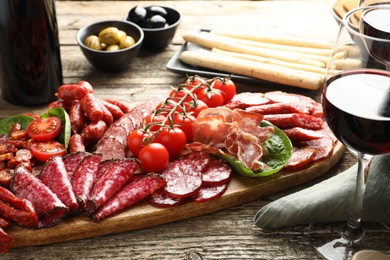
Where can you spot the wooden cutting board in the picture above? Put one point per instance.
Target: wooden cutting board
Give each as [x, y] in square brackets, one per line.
[142, 215]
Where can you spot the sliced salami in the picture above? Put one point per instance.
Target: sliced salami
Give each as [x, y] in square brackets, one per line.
[71, 161]
[55, 176]
[216, 173]
[84, 178]
[298, 134]
[323, 146]
[282, 108]
[113, 178]
[131, 193]
[301, 157]
[6, 241]
[247, 99]
[200, 159]
[209, 193]
[161, 199]
[295, 120]
[48, 206]
[183, 178]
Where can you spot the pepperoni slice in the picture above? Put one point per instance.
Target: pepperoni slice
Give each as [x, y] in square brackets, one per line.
[209, 193]
[298, 134]
[183, 178]
[216, 173]
[55, 176]
[161, 199]
[131, 193]
[300, 158]
[48, 206]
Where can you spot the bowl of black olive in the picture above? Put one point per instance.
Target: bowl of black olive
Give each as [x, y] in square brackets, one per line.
[159, 24]
[111, 45]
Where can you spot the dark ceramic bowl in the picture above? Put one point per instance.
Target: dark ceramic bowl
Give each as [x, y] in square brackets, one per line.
[160, 38]
[111, 61]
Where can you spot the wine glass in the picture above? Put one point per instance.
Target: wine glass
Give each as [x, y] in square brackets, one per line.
[356, 103]
[373, 2]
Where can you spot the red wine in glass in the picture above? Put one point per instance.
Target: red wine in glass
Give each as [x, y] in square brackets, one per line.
[362, 120]
[376, 23]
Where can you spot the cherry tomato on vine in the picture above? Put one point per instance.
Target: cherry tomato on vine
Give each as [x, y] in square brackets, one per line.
[43, 151]
[44, 129]
[195, 81]
[212, 98]
[154, 157]
[184, 122]
[226, 86]
[199, 107]
[155, 120]
[135, 141]
[174, 139]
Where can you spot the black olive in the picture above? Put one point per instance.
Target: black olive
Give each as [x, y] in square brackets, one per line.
[157, 10]
[156, 21]
[137, 15]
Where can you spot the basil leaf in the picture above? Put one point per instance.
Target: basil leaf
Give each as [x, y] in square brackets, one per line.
[66, 130]
[279, 148]
[6, 123]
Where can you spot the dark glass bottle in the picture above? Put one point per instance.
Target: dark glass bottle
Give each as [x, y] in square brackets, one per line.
[30, 62]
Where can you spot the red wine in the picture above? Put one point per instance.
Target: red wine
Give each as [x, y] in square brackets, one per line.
[30, 65]
[357, 108]
[376, 23]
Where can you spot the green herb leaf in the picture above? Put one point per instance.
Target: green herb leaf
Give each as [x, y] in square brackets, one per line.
[66, 130]
[279, 148]
[6, 123]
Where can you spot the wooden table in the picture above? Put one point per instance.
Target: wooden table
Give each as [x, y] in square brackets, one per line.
[225, 234]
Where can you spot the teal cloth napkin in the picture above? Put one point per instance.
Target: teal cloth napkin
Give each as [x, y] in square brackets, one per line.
[331, 200]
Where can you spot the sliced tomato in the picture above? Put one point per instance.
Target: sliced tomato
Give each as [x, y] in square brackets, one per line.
[44, 129]
[43, 151]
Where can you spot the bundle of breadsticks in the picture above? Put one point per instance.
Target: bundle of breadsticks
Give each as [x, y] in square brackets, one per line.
[289, 61]
[341, 7]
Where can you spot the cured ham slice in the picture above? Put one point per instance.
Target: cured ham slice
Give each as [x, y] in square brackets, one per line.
[48, 206]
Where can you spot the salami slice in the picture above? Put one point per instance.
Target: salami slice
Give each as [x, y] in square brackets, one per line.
[216, 173]
[55, 176]
[209, 193]
[247, 99]
[84, 178]
[130, 194]
[298, 134]
[282, 108]
[161, 199]
[71, 161]
[183, 178]
[113, 178]
[200, 159]
[295, 120]
[300, 158]
[6, 241]
[48, 206]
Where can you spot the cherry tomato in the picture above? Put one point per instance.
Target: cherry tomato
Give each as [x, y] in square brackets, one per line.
[155, 120]
[44, 129]
[174, 139]
[184, 122]
[135, 141]
[154, 157]
[196, 81]
[226, 86]
[199, 107]
[43, 151]
[212, 98]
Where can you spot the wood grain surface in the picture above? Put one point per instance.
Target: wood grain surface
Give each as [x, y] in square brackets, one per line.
[227, 233]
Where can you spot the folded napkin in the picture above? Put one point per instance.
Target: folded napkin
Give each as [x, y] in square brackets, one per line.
[331, 200]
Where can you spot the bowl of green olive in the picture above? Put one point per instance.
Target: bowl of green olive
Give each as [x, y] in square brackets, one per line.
[110, 46]
[159, 24]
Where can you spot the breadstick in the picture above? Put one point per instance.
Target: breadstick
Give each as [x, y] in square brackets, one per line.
[270, 61]
[278, 40]
[210, 41]
[258, 70]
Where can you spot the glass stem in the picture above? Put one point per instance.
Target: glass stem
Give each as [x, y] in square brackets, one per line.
[353, 231]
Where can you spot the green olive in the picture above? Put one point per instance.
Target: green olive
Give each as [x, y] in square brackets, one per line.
[110, 35]
[93, 42]
[113, 47]
[126, 42]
